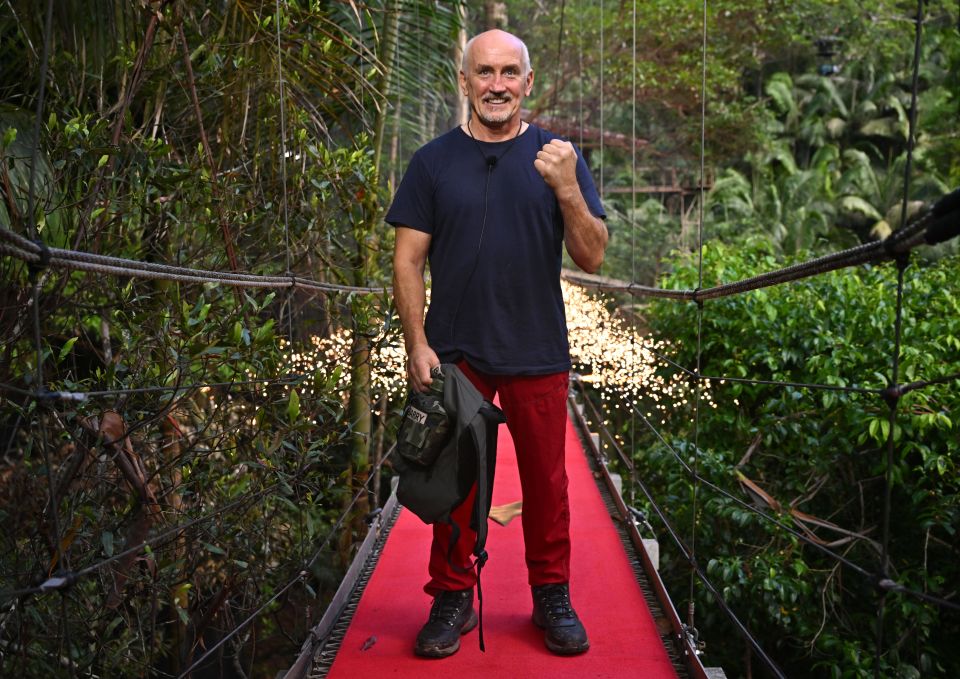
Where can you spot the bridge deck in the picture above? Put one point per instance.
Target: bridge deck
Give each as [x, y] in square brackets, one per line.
[624, 638]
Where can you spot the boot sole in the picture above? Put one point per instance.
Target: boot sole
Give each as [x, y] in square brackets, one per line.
[566, 650]
[557, 649]
[446, 651]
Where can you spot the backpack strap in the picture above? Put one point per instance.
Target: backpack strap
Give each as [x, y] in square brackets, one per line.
[485, 447]
[481, 507]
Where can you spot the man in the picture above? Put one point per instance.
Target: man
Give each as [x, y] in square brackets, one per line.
[491, 204]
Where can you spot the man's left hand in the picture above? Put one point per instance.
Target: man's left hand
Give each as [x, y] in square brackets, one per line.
[557, 164]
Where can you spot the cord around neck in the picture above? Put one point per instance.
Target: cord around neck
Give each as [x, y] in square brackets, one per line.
[498, 141]
[492, 159]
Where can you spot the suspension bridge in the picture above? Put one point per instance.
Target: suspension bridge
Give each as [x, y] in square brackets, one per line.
[649, 636]
[369, 623]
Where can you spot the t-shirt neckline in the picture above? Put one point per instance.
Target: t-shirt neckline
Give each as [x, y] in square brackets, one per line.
[495, 143]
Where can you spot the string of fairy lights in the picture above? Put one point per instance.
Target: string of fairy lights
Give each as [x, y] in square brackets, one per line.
[621, 363]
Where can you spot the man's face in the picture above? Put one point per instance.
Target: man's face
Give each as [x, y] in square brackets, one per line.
[495, 84]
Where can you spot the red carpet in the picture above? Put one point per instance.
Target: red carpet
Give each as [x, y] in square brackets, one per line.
[623, 638]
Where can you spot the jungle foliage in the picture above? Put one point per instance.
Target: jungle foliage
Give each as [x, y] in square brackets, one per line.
[806, 132]
[165, 136]
[816, 460]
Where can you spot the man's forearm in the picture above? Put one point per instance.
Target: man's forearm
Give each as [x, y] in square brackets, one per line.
[410, 295]
[584, 234]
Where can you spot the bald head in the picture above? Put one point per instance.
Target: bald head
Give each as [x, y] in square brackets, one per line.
[495, 39]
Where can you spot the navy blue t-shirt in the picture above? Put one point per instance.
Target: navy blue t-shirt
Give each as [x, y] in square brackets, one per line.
[495, 301]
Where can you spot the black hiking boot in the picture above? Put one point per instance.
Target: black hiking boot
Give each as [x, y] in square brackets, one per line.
[451, 615]
[563, 632]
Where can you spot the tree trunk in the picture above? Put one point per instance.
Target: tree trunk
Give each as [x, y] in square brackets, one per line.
[359, 405]
[494, 15]
[461, 109]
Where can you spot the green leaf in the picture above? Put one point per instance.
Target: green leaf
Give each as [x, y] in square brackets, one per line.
[858, 204]
[103, 160]
[293, 406]
[214, 549]
[264, 333]
[334, 378]
[943, 465]
[67, 346]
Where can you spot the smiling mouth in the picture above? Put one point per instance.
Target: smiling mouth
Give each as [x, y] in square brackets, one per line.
[497, 100]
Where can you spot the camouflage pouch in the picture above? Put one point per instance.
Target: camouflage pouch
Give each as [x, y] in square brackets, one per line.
[425, 428]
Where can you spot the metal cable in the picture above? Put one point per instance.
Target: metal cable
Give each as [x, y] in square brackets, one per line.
[633, 219]
[62, 559]
[283, 175]
[38, 116]
[302, 573]
[289, 379]
[559, 73]
[603, 21]
[797, 385]
[688, 556]
[64, 580]
[898, 338]
[691, 613]
[580, 23]
[878, 580]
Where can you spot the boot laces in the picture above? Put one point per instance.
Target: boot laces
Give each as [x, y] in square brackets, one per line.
[446, 608]
[555, 601]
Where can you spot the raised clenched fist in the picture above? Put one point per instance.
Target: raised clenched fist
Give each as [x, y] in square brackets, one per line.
[557, 164]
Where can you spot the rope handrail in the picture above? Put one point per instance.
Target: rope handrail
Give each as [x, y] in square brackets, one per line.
[939, 224]
[15, 245]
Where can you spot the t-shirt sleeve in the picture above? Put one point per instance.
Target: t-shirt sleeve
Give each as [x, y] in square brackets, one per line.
[588, 188]
[413, 204]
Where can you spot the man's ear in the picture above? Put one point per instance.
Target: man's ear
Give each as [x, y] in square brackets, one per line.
[528, 87]
[462, 79]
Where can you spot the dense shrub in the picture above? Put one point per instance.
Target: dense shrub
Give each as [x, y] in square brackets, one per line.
[819, 460]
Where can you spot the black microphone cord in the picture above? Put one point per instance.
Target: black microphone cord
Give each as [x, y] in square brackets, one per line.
[476, 259]
[491, 162]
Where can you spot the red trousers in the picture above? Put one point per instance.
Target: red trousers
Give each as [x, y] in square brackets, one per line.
[536, 411]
